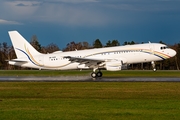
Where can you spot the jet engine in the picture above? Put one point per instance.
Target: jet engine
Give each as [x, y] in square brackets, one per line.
[114, 65]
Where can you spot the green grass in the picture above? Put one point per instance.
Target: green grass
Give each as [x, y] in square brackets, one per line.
[89, 100]
[123, 73]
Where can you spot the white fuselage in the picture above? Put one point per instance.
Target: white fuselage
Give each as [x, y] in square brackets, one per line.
[128, 54]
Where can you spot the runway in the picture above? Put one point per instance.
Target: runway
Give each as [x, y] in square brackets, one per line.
[86, 79]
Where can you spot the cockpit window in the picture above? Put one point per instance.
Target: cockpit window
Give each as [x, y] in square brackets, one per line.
[164, 47]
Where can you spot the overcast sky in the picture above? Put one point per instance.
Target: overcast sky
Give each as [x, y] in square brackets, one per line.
[63, 21]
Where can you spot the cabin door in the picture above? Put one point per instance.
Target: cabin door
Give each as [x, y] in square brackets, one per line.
[151, 47]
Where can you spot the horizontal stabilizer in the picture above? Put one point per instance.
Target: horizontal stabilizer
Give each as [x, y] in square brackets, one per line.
[17, 60]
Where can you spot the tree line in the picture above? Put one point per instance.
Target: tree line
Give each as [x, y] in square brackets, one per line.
[7, 53]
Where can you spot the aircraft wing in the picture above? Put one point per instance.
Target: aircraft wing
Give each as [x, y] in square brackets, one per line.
[87, 61]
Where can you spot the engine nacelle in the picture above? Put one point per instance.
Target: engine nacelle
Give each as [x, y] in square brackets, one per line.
[82, 66]
[114, 65]
[114, 68]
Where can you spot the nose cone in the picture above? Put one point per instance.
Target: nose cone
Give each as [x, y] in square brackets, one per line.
[172, 53]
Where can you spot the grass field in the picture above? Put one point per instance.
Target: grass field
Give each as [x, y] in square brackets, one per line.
[123, 73]
[89, 100]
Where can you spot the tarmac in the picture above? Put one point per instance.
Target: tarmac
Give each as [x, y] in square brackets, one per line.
[86, 79]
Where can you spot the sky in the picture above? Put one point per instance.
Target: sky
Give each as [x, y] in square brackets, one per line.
[63, 21]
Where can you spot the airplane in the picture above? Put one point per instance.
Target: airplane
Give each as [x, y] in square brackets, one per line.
[109, 58]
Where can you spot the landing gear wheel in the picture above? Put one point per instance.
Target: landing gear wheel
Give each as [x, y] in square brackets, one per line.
[93, 74]
[99, 74]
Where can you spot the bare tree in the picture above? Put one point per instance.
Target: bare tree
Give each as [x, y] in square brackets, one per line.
[35, 43]
[51, 48]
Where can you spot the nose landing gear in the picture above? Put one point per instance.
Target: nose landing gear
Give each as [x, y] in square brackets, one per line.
[153, 66]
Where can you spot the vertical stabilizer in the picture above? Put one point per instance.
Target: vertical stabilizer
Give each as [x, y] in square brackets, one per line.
[22, 48]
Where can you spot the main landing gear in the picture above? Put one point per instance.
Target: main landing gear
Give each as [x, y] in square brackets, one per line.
[98, 74]
[153, 66]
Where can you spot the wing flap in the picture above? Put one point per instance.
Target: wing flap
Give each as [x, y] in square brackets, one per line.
[87, 61]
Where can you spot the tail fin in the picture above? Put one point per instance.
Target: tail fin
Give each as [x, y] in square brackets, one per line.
[22, 48]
